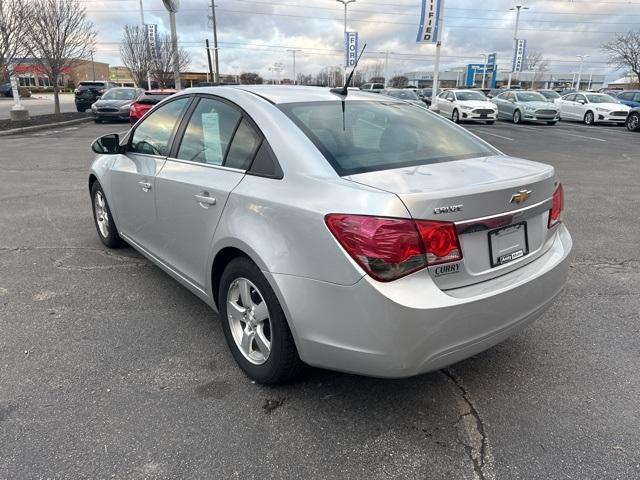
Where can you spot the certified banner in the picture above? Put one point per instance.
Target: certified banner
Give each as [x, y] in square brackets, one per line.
[519, 56]
[429, 29]
[350, 49]
[151, 33]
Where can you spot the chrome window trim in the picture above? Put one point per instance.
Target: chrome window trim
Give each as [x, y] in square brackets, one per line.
[504, 219]
[202, 164]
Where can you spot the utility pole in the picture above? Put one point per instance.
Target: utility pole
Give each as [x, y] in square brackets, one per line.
[293, 52]
[581, 57]
[517, 8]
[215, 40]
[93, 67]
[436, 66]
[345, 3]
[386, 69]
[143, 30]
[209, 60]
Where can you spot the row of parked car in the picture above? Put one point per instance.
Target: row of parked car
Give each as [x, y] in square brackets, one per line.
[541, 106]
[109, 102]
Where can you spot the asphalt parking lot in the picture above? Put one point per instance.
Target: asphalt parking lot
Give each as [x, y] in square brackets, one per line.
[110, 369]
[39, 104]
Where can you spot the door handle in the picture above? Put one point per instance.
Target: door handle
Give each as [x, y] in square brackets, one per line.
[146, 186]
[205, 200]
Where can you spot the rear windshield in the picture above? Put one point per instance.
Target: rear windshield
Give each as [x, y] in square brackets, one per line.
[153, 98]
[120, 94]
[382, 135]
[92, 84]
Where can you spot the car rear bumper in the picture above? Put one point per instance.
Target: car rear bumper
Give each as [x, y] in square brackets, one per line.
[410, 326]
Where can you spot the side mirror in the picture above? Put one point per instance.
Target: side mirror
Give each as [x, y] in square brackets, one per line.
[107, 144]
[450, 100]
[581, 102]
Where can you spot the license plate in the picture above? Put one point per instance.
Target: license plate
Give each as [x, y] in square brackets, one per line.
[508, 244]
[483, 115]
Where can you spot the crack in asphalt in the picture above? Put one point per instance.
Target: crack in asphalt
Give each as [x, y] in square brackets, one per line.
[472, 426]
[631, 264]
[60, 262]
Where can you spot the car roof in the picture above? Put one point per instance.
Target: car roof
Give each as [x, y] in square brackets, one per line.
[280, 94]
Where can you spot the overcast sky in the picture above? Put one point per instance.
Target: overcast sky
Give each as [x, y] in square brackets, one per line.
[254, 35]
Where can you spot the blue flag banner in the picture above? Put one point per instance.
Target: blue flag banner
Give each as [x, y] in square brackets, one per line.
[519, 56]
[350, 49]
[429, 28]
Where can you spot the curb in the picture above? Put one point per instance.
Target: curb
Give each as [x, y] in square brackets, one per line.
[15, 131]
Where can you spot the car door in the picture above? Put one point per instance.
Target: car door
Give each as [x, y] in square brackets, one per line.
[509, 105]
[566, 107]
[134, 172]
[445, 104]
[214, 147]
[580, 106]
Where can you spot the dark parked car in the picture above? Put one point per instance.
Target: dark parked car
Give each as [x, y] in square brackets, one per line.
[630, 97]
[6, 91]
[88, 92]
[115, 104]
[425, 94]
[403, 94]
[633, 120]
[146, 103]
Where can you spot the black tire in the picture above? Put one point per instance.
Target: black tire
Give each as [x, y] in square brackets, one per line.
[490, 122]
[633, 122]
[551, 123]
[455, 116]
[589, 118]
[517, 117]
[283, 363]
[97, 120]
[111, 239]
[80, 109]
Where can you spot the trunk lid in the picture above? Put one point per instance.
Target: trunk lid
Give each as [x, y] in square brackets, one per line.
[478, 196]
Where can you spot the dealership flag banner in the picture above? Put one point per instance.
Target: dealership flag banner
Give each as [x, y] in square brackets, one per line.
[350, 49]
[151, 32]
[429, 29]
[520, 56]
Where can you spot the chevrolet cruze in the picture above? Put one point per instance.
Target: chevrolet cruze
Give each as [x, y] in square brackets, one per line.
[357, 233]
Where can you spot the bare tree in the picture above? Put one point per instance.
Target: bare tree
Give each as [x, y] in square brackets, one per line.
[59, 35]
[162, 65]
[13, 26]
[250, 78]
[624, 52]
[537, 64]
[135, 54]
[399, 81]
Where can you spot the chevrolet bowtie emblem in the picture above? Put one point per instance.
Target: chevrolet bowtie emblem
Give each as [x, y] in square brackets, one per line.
[520, 197]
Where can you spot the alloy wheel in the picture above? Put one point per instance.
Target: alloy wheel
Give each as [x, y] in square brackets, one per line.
[633, 122]
[588, 118]
[249, 321]
[455, 116]
[516, 116]
[102, 215]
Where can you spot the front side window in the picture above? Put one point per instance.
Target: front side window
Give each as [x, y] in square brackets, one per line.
[152, 136]
[209, 132]
[381, 135]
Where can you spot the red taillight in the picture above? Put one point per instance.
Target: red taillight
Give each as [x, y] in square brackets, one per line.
[390, 248]
[440, 240]
[555, 214]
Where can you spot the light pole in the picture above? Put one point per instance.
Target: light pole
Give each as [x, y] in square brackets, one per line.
[517, 8]
[484, 72]
[345, 3]
[386, 69]
[236, 68]
[143, 30]
[293, 53]
[581, 57]
[172, 6]
[475, 71]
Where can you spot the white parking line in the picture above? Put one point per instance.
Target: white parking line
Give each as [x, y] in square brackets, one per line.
[582, 136]
[494, 135]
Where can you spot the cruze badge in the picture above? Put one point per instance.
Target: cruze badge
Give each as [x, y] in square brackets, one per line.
[449, 209]
[520, 197]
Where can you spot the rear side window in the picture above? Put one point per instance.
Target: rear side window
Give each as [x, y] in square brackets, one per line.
[243, 148]
[152, 136]
[209, 132]
[381, 135]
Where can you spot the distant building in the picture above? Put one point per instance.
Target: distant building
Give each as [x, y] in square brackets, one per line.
[121, 77]
[30, 74]
[625, 83]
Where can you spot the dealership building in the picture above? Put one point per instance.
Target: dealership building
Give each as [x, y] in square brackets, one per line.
[470, 77]
[30, 74]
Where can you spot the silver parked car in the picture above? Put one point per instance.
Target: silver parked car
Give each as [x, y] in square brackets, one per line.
[526, 106]
[361, 234]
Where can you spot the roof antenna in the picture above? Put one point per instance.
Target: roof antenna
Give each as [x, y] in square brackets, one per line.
[344, 90]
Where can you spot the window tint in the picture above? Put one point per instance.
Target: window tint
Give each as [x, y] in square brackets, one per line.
[625, 96]
[265, 163]
[153, 134]
[243, 147]
[570, 98]
[636, 98]
[209, 132]
[381, 135]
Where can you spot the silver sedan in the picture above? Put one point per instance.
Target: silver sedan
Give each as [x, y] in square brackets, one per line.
[524, 106]
[331, 230]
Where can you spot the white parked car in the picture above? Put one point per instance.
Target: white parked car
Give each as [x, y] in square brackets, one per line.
[466, 105]
[592, 108]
